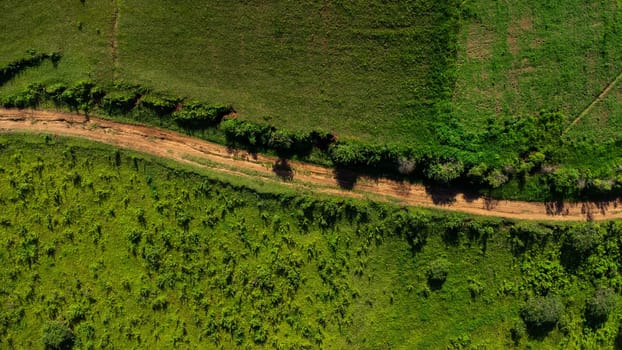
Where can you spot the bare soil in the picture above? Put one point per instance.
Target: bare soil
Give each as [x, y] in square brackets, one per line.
[231, 162]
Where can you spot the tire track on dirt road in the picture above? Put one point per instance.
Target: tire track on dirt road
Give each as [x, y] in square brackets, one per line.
[199, 153]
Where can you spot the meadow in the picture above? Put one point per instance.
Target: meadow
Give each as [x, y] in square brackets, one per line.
[103, 248]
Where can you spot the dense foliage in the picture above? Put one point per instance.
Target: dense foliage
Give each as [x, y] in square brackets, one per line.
[93, 240]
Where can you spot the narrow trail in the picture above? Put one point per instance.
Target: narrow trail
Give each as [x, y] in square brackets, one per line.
[199, 153]
[591, 106]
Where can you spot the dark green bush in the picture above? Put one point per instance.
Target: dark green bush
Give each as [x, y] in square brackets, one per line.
[54, 92]
[377, 158]
[437, 273]
[598, 308]
[82, 95]
[28, 98]
[160, 105]
[580, 241]
[541, 314]
[119, 102]
[241, 132]
[57, 336]
[195, 115]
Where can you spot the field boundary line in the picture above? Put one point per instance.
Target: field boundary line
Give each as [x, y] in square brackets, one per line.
[598, 98]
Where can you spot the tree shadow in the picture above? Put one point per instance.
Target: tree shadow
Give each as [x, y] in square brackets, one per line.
[346, 178]
[556, 207]
[442, 195]
[241, 153]
[435, 284]
[283, 170]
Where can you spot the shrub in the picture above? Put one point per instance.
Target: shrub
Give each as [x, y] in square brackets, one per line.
[55, 91]
[598, 308]
[541, 314]
[57, 336]
[119, 102]
[437, 273]
[82, 95]
[579, 243]
[406, 166]
[240, 132]
[517, 332]
[196, 115]
[445, 172]
[159, 104]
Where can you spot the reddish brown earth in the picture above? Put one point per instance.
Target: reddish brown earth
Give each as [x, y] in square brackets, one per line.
[185, 149]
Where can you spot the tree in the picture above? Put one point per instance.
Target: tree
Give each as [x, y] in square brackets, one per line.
[437, 273]
[598, 308]
[57, 336]
[541, 314]
[445, 172]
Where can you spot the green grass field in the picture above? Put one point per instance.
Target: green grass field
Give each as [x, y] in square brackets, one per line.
[80, 32]
[520, 57]
[363, 70]
[121, 251]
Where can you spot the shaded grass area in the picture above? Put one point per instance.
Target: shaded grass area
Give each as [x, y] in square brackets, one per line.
[120, 250]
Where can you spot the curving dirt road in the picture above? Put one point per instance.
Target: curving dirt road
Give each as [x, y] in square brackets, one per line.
[185, 149]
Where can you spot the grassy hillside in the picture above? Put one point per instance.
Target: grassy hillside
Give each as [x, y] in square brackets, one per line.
[107, 249]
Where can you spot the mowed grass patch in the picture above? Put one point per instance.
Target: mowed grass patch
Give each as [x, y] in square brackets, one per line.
[366, 70]
[520, 57]
[79, 31]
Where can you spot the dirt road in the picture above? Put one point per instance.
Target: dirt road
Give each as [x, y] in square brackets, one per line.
[185, 149]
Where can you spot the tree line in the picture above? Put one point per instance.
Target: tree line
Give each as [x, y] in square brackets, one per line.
[504, 149]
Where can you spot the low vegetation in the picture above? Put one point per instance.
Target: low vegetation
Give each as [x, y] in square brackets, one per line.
[101, 248]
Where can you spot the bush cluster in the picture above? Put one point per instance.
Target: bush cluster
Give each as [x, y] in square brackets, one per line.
[57, 336]
[253, 136]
